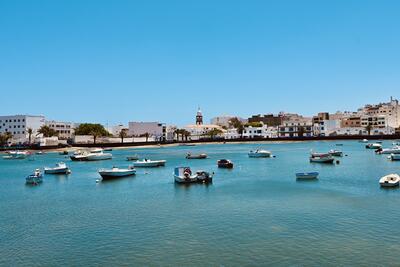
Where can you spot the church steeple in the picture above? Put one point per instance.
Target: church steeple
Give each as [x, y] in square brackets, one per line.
[199, 117]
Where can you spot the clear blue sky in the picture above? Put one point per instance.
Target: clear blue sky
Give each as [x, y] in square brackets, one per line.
[118, 61]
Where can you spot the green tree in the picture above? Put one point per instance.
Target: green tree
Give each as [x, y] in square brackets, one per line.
[93, 129]
[30, 132]
[238, 125]
[254, 124]
[214, 132]
[123, 134]
[4, 137]
[46, 131]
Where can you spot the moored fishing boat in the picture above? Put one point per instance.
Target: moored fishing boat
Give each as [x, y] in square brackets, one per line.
[307, 175]
[321, 158]
[183, 175]
[259, 153]
[364, 141]
[116, 173]
[335, 153]
[17, 155]
[390, 180]
[373, 146]
[196, 156]
[393, 150]
[60, 168]
[93, 155]
[225, 163]
[34, 178]
[149, 163]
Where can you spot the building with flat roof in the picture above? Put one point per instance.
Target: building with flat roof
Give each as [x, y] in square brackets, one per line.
[65, 130]
[156, 130]
[18, 126]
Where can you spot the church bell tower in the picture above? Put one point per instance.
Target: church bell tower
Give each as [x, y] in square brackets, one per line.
[199, 117]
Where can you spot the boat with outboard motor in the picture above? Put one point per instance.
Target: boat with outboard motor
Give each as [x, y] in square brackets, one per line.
[196, 156]
[259, 153]
[34, 178]
[390, 180]
[225, 163]
[92, 155]
[149, 163]
[60, 168]
[115, 172]
[373, 146]
[393, 150]
[321, 158]
[17, 154]
[183, 175]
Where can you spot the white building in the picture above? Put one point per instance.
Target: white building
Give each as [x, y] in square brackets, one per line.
[18, 126]
[391, 110]
[65, 130]
[296, 126]
[153, 129]
[326, 127]
[264, 132]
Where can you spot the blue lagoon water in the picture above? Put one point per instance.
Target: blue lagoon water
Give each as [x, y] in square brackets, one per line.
[255, 214]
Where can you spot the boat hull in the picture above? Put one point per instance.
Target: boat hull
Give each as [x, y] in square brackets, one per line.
[321, 160]
[56, 171]
[107, 175]
[307, 176]
[152, 164]
[197, 157]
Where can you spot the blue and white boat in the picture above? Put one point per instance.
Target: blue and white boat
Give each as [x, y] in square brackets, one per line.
[184, 175]
[260, 153]
[60, 168]
[34, 178]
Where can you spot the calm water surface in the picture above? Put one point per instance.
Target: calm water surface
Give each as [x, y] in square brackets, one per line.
[255, 214]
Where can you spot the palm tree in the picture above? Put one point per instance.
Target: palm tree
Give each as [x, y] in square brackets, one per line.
[368, 128]
[47, 131]
[147, 136]
[186, 134]
[30, 132]
[238, 125]
[95, 134]
[123, 134]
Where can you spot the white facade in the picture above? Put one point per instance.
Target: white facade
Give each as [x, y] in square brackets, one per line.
[263, 131]
[296, 126]
[18, 126]
[154, 129]
[200, 131]
[326, 127]
[65, 130]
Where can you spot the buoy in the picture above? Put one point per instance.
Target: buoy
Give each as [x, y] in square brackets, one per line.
[98, 180]
[337, 162]
[274, 156]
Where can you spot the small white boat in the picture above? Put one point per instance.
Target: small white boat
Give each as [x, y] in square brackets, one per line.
[116, 173]
[196, 156]
[93, 155]
[321, 158]
[34, 178]
[307, 175]
[364, 141]
[390, 180]
[373, 146]
[183, 175]
[149, 163]
[133, 157]
[17, 155]
[39, 152]
[335, 153]
[395, 156]
[260, 153]
[60, 168]
[393, 150]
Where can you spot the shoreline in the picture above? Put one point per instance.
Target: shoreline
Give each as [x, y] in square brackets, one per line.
[118, 146]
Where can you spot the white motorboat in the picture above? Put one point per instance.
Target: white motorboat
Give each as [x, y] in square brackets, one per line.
[183, 175]
[149, 163]
[98, 154]
[390, 180]
[364, 141]
[17, 155]
[116, 173]
[196, 156]
[335, 153]
[260, 153]
[133, 157]
[393, 150]
[92, 155]
[395, 156]
[39, 153]
[321, 158]
[373, 146]
[60, 168]
[34, 178]
[307, 175]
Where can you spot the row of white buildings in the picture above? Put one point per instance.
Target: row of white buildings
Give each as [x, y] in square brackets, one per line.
[379, 119]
